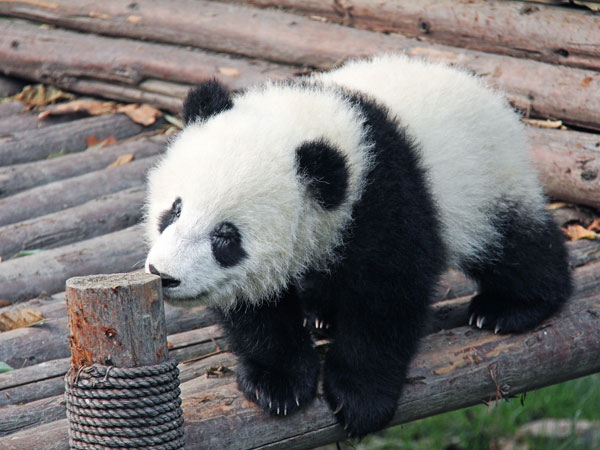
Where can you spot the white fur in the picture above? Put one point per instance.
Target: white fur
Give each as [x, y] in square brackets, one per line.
[471, 142]
[239, 166]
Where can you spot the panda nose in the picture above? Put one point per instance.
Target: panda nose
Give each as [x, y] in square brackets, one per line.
[166, 280]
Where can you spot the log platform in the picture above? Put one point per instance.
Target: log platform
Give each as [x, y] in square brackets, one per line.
[72, 185]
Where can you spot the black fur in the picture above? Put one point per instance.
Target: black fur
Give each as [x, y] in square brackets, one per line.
[205, 100]
[324, 170]
[226, 244]
[526, 280]
[278, 366]
[169, 216]
[375, 299]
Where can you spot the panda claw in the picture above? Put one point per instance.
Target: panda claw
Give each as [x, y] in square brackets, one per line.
[480, 321]
[497, 329]
[270, 404]
[297, 401]
[285, 410]
[338, 409]
[278, 410]
[257, 395]
[471, 319]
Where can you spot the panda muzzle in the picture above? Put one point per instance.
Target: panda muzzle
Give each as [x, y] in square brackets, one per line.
[167, 281]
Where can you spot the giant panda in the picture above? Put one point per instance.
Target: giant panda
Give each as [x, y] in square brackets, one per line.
[342, 197]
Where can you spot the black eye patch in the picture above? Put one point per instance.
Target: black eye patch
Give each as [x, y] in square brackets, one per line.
[169, 216]
[226, 244]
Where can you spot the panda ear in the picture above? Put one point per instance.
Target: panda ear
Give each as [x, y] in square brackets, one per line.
[323, 170]
[205, 100]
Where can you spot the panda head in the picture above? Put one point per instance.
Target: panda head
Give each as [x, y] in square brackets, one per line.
[253, 191]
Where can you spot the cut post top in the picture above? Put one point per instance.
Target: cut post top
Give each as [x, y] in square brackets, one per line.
[116, 320]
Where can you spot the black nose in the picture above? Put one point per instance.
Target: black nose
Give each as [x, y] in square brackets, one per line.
[166, 280]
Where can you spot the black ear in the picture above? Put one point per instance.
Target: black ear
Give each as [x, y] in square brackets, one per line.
[323, 168]
[205, 100]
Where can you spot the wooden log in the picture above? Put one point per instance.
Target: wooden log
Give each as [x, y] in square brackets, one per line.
[568, 163]
[19, 177]
[446, 315]
[36, 57]
[24, 347]
[454, 369]
[544, 33]
[74, 191]
[47, 379]
[27, 346]
[10, 107]
[52, 436]
[116, 320]
[540, 89]
[120, 251]
[170, 102]
[32, 145]
[28, 120]
[97, 217]
[17, 418]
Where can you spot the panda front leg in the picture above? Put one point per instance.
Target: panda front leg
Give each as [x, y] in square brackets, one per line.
[375, 338]
[278, 367]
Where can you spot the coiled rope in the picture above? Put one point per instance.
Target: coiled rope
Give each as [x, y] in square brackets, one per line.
[111, 407]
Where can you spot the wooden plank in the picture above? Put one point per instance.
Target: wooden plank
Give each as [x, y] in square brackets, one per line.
[74, 191]
[26, 277]
[454, 369]
[533, 31]
[540, 89]
[56, 55]
[70, 137]
[19, 177]
[97, 217]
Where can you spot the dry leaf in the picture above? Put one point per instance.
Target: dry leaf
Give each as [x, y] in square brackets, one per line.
[122, 159]
[556, 205]
[93, 142]
[576, 232]
[40, 95]
[595, 225]
[19, 318]
[143, 114]
[92, 107]
[229, 71]
[543, 123]
[586, 81]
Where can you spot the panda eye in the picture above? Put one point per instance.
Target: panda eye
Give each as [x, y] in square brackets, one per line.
[170, 216]
[226, 244]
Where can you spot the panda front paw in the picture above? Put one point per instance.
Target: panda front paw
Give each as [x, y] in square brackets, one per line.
[358, 403]
[281, 390]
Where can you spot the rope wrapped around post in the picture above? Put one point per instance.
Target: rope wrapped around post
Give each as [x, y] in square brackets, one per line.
[122, 391]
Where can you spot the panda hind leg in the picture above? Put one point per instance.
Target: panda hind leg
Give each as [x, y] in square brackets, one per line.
[524, 282]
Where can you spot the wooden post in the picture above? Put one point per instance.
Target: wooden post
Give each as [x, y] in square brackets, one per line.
[116, 320]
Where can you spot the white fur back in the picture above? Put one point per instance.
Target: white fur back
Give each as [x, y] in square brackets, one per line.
[471, 142]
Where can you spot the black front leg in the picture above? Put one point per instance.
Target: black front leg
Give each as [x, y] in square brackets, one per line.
[278, 367]
[374, 341]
